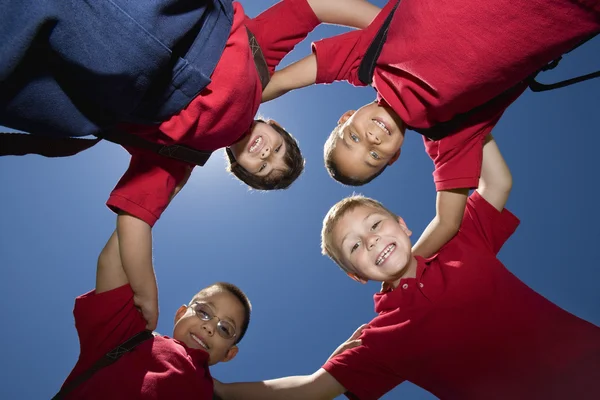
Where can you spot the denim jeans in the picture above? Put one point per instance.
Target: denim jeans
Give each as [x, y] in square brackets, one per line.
[75, 67]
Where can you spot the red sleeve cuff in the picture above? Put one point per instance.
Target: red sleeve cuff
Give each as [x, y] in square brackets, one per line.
[118, 203]
[459, 183]
[322, 73]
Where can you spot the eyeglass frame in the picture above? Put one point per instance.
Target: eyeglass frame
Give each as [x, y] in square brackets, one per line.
[213, 316]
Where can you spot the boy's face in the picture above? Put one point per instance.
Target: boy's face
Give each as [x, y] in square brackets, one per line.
[207, 335]
[372, 244]
[368, 140]
[261, 152]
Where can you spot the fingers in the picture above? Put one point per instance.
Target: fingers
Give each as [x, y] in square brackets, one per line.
[358, 332]
[351, 344]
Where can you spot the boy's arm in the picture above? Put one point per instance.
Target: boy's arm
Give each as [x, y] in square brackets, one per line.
[132, 244]
[353, 13]
[495, 182]
[295, 76]
[109, 272]
[450, 208]
[318, 386]
[135, 247]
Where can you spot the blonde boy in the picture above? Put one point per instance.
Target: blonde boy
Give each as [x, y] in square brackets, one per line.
[440, 61]
[458, 324]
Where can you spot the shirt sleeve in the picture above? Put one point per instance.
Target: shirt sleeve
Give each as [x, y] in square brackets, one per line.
[361, 371]
[338, 58]
[146, 188]
[484, 222]
[457, 157]
[103, 321]
[281, 27]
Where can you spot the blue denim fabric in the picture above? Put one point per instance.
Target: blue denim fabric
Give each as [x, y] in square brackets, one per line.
[74, 67]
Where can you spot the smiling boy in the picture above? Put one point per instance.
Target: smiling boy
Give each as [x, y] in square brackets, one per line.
[458, 324]
[206, 331]
[440, 60]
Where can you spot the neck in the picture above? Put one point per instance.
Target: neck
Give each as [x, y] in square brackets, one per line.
[410, 271]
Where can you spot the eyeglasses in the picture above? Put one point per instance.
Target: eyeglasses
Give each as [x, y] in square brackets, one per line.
[225, 328]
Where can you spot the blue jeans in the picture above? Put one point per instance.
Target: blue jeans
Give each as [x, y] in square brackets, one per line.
[75, 67]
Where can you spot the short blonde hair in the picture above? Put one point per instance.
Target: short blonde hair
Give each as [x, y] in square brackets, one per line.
[335, 213]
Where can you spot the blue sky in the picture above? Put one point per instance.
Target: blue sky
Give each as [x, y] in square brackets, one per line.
[53, 224]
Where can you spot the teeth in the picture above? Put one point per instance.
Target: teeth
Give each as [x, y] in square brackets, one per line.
[255, 144]
[385, 254]
[200, 342]
[382, 126]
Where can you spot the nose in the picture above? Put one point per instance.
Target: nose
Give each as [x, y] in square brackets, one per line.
[266, 151]
[372, 241]
[208, 327]
[373, 138]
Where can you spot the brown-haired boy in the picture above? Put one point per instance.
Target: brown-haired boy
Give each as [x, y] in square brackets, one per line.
[440, 60]
[206, 332]
[458, 324]
[261, 153]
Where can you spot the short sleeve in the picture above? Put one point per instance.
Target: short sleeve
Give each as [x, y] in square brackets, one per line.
[457, 158]
[484, 222]
[145, 189]
[104, 321]
[281, 27]
[360, 372]
[339, 57]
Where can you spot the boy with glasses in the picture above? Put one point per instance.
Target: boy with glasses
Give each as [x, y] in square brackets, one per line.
[206, 332]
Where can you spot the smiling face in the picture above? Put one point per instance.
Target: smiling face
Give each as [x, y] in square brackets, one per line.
[367, 140]
[198, 334]
[372, 244]
[261, 152]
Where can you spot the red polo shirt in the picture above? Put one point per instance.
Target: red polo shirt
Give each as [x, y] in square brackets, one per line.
[442, 58]
[220, 115]
[466, 328]
[159, 368]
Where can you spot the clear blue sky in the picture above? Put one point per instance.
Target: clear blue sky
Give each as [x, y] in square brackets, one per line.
[53, 224]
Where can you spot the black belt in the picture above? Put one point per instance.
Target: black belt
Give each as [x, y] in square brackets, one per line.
[18, 144]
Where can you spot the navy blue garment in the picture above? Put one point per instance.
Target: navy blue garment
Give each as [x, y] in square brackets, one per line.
[76, 67]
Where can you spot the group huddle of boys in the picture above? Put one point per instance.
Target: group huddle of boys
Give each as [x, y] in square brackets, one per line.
[451, 318]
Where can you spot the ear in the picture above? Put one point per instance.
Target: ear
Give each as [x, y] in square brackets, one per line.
[395, 157]
[180, 313]
[404, 227]
[345, 116]
[273, 122]
[356, 278]
[231, 353]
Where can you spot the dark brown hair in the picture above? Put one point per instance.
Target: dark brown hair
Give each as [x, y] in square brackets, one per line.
[293, 159]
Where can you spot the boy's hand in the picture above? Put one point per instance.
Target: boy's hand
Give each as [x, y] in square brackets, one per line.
[352, 342]
[149, 309]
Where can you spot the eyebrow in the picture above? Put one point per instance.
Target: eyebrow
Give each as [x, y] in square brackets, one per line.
[363, 221]
[229, 319]
[344, 136]
[281, 155]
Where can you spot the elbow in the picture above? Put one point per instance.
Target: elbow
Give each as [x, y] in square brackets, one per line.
[450, 225]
